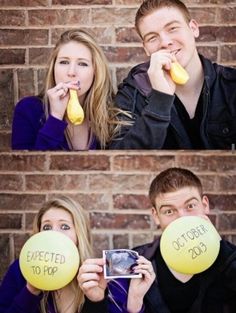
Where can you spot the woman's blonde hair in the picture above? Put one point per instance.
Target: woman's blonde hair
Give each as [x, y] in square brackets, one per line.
[99, 101]
[83, 234]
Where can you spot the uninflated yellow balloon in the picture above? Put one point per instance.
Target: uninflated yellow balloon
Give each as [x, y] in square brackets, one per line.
[178, 74]
[49, 260]
[74, 110]
[190, 244]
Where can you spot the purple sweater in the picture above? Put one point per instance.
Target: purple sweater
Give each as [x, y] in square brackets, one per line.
[118, 296]
[16, 298]
[31, 130]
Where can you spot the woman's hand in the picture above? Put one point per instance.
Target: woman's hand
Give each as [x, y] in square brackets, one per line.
[59, 96]
[139, 286]
[91, 279]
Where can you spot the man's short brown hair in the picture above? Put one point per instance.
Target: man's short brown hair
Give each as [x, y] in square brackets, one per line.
[149, 6]
[171, 180]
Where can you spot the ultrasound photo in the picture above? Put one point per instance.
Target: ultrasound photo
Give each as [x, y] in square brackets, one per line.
[119, 263]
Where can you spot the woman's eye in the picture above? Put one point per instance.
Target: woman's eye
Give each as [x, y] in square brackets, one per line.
[63, 62]
[82, 64]
[47, 227]
[65, 227]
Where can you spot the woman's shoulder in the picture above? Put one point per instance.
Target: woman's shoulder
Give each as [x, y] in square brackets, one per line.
[31, 108]
[14, 268]
[29, 103]
[14, 273]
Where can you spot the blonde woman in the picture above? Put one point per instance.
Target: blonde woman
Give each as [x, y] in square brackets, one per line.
[41, 123]
[17, 295]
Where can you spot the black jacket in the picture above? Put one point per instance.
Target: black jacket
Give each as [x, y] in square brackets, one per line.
[155, 121]
[217, 292]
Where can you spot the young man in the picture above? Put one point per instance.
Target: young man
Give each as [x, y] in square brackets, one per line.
[174, 193]
[197, 115]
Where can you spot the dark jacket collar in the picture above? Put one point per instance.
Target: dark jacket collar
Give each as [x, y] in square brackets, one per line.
[148, 250]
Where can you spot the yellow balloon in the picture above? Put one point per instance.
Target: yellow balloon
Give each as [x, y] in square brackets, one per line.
[74, 111]
[178, 74]
[49, 260]
[190, 244]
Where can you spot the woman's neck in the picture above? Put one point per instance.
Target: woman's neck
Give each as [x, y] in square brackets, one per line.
[79, 136]
[65, 300]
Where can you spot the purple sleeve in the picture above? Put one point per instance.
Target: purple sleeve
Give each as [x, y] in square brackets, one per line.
[118, 296]
[14, 296]
[51, 135]
[30, 131]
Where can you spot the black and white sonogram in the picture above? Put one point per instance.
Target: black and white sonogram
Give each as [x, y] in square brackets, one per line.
[119, 263]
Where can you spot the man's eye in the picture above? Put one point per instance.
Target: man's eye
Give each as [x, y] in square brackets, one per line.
[173, 28]
[65, 227]
[152, 39]
[47, 227]
[192, 206]
[168, 212]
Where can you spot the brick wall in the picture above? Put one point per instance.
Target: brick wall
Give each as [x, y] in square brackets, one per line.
[112, 186]
[29, 29]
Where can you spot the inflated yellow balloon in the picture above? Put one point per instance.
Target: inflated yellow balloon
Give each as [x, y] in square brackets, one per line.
[49, 260]
[190, 244]
[178, 74]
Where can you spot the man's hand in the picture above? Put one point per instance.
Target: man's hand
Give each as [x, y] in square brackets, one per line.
[158, 72]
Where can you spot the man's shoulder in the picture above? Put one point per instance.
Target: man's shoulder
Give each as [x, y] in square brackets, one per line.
[227, 247]
[136, 70]
[148, 249]
[229, 73]
[138, 79]
[220, 70]
[140, 68]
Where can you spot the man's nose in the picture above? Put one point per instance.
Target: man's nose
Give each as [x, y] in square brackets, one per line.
[165, 41]
[182, 212]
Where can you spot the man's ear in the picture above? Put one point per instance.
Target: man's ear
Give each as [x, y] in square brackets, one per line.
[205, 202]
[146, 51]
[155, 216]
[194, 27]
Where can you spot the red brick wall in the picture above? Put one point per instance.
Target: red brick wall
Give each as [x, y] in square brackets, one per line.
[29, 29]
[112, 186]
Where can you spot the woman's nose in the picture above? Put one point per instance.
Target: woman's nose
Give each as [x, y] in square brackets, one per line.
[56, 228]
[72, 70]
